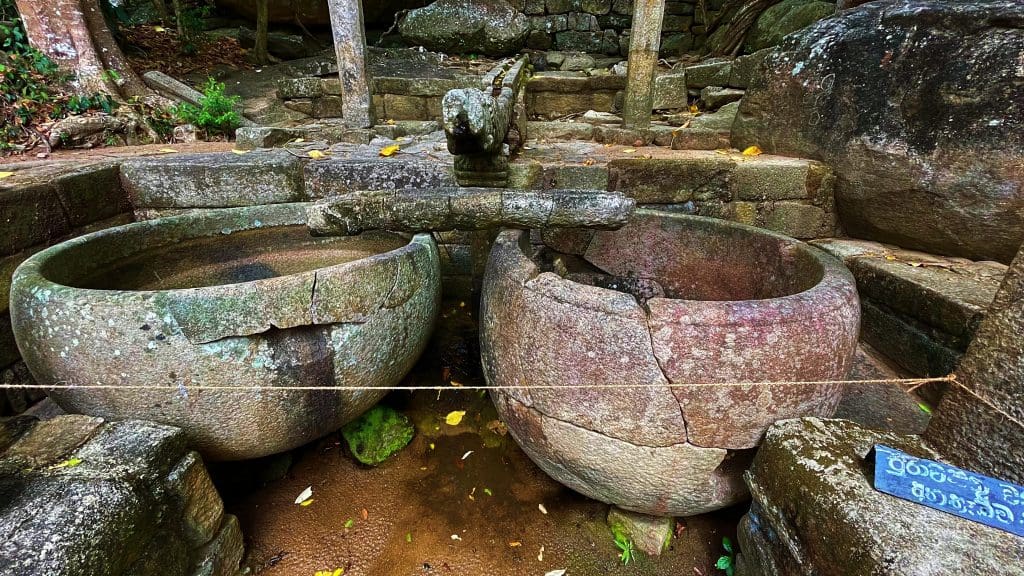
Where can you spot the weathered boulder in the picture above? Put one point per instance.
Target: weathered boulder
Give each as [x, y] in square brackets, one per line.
[815, 511]
[919, 108]
[490, 27]
[784, 18]
[82, 497]
[771, 310]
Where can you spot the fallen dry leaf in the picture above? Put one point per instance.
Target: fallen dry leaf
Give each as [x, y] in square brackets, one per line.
[317, 155]
[752, 151]
[6, 175]
[454, 418]
[167, 151]
[390, 150]
[365, 514]
[515, 544]
[304, 495]
[239, 152]
[542, 509]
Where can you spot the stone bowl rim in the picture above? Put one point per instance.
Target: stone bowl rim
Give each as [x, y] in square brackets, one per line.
[833, 271]
[29, 270]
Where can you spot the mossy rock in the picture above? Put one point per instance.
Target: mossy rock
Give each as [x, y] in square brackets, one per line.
[378, 434]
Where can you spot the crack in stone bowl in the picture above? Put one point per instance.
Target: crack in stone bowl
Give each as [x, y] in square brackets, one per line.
[240, 297]
[697, 301]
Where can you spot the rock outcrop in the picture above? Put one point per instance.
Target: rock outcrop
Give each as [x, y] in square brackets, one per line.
[919, 107]
[490, 27]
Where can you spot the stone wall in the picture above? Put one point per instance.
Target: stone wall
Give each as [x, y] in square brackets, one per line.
[40, 207]
[80, 496]
[602, 26]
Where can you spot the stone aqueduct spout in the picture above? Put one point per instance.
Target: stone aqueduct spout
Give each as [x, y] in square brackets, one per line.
[694, 302]
[240, 298]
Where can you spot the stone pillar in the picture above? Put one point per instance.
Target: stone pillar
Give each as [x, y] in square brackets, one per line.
[350, 47]
[967, 430]
[644, 43]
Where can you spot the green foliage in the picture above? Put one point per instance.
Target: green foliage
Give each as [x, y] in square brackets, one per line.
[727, 561]
[191, 21]
[626, 551]
[31, 86]
[216, 113]
[378, 434]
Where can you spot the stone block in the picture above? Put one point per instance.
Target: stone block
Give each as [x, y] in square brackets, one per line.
[575, 177]
[53, 441]
[709, 74]
[335, 177]
[309, 87]
[213, 180]
[799, 220]
[547, 131]
[778, 178]
[655, 181]
[805, 520]
[30, 213]
[950, 294]
[197, 497]
[714, 97]
[698, 139]
[649, 534]
[597, 7]
[300, 105]
[397, 107]
[327, 107]
[743, 68]
[223, 555]
[670, 91]
[91, 194]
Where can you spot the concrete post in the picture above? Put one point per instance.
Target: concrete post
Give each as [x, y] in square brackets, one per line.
[644, 43]
[350, 47]
[983, 431]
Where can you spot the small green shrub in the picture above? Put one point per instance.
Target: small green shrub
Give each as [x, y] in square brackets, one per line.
[216, 112]
[627, 553]
[378, 434]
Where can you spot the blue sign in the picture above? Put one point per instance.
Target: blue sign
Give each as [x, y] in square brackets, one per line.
[965, 494]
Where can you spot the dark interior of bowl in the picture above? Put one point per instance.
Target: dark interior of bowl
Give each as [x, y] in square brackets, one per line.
[226, 259]
[690, 259]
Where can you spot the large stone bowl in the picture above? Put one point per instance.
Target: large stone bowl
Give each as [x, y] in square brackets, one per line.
[699, 304]
[238, 298]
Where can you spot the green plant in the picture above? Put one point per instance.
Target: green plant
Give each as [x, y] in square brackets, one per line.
[190, 24]
[727, 561]
[626, 551]
[216, 112]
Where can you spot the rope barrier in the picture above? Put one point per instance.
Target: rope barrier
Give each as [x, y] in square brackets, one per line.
[220, 387]
[913, 383]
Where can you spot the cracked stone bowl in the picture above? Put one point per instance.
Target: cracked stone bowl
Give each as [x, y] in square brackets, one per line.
[240, 298]
[667, 300]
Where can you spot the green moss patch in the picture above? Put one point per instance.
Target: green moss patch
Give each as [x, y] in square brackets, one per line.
[378, 434]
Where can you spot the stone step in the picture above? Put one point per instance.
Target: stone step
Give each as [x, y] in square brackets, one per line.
[919, 309]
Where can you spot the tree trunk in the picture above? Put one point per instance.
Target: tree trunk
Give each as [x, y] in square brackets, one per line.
[74, 34]
[745, 14]
[262, 30]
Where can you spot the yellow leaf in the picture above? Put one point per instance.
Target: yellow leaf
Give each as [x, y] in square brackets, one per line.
[390, 122]
[515, 544]
[316, 154]
[389, 150]
[6, 175]
[159, 29]
[629, 150]
[239, 152]
[298, 141]
[453, 418]
[306, 502]
[167, 150]
[694, 109]
[752, 151]
[69, 463]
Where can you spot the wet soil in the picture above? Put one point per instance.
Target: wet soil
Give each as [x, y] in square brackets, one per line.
[459, 500]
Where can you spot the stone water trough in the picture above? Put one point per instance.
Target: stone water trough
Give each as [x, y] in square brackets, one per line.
[238, 298]
[685, 301]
